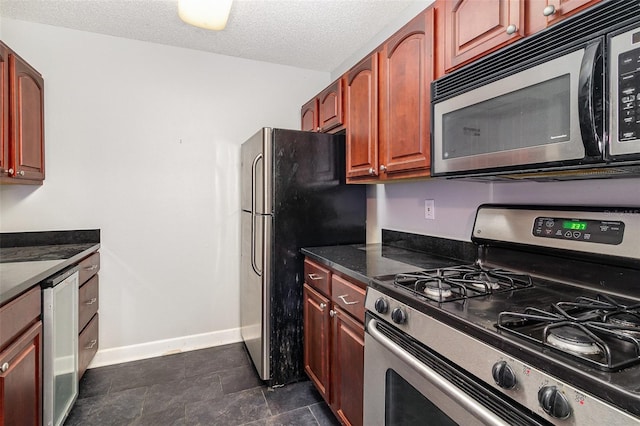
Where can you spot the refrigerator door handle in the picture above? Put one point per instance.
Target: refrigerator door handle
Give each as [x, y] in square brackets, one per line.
[254, 167]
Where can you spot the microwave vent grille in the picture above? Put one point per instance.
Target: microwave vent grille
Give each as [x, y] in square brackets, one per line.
[572, 33]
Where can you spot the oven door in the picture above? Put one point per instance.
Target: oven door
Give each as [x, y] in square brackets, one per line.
[542, 117]
[407, 384]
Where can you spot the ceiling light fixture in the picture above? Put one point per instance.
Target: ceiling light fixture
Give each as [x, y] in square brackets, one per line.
[208, 14]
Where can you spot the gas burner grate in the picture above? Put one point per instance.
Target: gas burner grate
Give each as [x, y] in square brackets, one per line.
[598, 331]
[460, 282]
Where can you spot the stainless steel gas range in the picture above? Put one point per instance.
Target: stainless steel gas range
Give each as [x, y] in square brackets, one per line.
[544, 328]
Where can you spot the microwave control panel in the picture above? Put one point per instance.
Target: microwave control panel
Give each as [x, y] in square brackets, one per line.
[586, 230]
[629, 95]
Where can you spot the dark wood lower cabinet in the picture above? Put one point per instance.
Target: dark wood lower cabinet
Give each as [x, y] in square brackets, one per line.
[20, 379]
[334, 340]
[348, 367]
[316, 337]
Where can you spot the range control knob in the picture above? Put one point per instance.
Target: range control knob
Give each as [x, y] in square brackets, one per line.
[553, 402]
[399, 316]
[381, 305]
[504, 375]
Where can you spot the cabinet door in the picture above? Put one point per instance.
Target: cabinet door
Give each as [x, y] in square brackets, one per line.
[20, 378]
[348, 368]
[474, 28]
[406, 73]
[316, 339]
[362, 119]
[330, 107]
[564, 8]
[27, 122]
[309, 116]
[4, 109]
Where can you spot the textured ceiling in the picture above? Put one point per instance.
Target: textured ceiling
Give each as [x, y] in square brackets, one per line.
[313, 34]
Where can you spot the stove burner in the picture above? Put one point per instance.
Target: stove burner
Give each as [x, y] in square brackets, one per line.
[485, 281]
[598, 331]
[573, 340]
[436, 288]
[627, 321]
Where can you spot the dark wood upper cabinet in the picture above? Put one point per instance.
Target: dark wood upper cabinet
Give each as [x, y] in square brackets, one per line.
[406, 71]
[542, 13]
[22, 121]
[324, 113]
[362, 119]
[4, 109]
[474, 28]
[309, 116]
[330, 107]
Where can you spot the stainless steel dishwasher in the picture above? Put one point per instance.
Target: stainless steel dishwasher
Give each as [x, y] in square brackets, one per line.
[60, 336]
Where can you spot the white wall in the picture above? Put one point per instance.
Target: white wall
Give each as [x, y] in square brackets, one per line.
[142, 141]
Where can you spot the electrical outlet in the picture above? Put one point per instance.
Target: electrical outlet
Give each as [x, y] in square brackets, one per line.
[429, 209]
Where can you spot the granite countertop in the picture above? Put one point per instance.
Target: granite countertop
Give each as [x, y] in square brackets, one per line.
[398, 253]
[28, 258]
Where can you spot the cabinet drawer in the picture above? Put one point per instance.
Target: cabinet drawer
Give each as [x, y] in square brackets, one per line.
[87, 301]
[89, 267]
[317, 277]
[87, 345]
[348, 296]
[17, 315]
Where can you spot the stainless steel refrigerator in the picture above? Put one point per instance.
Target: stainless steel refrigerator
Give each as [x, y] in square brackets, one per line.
[293, 195]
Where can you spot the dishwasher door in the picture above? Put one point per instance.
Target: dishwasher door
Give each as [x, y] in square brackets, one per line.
[60, 336]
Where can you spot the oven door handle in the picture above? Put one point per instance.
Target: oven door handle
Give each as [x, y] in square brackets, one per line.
[470, 404]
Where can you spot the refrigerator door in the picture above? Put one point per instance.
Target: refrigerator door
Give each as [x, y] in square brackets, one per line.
[256, 225]
[256, 165]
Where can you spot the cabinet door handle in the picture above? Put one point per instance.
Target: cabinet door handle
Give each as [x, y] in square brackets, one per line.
[511, 29]
[372, 171]
[4, 367]
[91, 268]
[383, 168]
[20, 173]
[322, 306]
[332, 313]
[549, 10]
[315, 277]
[91, 301]
[344, 299]
[91, 344]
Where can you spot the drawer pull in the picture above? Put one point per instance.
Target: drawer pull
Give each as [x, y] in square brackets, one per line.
[315, 277]
[4, 367]
[92, 344]
[92, 301]
[91, 268]
[332, 313]
[344, 299]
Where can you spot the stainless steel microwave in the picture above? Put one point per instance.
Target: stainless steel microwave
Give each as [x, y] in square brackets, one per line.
[560, 104]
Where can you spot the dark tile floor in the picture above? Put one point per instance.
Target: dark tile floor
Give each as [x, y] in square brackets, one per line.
[215, 386]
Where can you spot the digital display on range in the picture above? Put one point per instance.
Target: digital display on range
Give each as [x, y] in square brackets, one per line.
[569, 224]
[579, 230]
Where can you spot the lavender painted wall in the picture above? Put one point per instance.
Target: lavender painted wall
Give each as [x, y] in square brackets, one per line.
[401, 206]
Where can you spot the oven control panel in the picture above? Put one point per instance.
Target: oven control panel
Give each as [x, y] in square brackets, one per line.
[586, 230]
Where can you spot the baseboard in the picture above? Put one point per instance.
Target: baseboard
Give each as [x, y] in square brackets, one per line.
[146, 350]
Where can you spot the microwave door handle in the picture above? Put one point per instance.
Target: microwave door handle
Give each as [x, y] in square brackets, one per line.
[589, 112]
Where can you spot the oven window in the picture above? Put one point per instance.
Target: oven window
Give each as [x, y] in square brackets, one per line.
[405, 406]
[536, 115]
